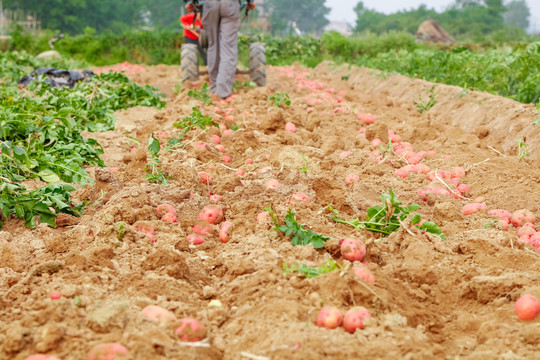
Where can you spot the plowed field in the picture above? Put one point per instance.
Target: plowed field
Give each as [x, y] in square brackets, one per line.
[432, 299]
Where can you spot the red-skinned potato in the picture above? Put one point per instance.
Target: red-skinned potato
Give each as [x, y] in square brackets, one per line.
[502, 225]
[108, 351]
[215, 139]
[205, 177]
[41, 357]
[190, 330]
[329, 318]
[212, 214]
[272, 184]
[364, 274]
[457, 172]
[202, 228]
[153, 312]
[532, 226]
[263, 216]
[353, 249]
[165, 208]
[195, 239]
[472, 208]
[521, 217]
[525, 232]
[527, 307]
[351, 179]
[366, 118]
[535, 240]
[299, 197]
[290, 127]
[223, 236]
[501, 214]
[169, 217]
[354, 319]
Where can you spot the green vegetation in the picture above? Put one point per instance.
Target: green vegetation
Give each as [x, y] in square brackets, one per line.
[469, 20]
[523, 149]
[279, 99]
[76, 16]
[136, 46]
[300, 236]
[309, 16]
[196, 119]
[389, 217]
[512, 70]
[40, 135]
[421, 105]
[157, 173]
[304, 169]
[311, 271]
[203, 94]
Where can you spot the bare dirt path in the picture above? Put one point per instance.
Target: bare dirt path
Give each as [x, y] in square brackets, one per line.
[431, 299]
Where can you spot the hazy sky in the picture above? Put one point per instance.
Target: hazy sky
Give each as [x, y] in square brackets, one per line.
[342, 10]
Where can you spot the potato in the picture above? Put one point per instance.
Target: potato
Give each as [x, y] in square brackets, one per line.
[153, 312]
[107, 351]
[364, 274]
[353, 249]
[527, 307]
[190, 330]
[329, 318]
[354, 319]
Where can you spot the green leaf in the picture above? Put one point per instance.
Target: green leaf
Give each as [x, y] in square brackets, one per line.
[416, 219]
[409, 209]
[376, 211]
[153, 145]
[48, 218]
[433, 228]
[537, 121]
[49, 176]
[19, 153]
[19, 211]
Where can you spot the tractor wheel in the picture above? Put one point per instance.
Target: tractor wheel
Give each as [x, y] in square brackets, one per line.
[190, 62]
[257, 63]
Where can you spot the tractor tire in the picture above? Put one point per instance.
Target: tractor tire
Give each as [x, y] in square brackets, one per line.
[189, 62]
[257, 63]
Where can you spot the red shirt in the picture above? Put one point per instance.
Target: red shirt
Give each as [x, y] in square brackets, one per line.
[187, 22]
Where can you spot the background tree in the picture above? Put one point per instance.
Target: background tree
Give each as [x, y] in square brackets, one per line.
[465, 19]
[517, 14]
[308, 15]
[73, 16]
[164, 13]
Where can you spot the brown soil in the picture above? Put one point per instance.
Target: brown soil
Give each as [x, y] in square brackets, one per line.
[432, 299]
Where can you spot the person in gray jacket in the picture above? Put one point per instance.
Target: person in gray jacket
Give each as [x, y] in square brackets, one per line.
[221, 21]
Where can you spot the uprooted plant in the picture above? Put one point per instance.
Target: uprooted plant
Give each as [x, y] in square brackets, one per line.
[300, 236]
[389, 217]
[157, 173]
[188, 123]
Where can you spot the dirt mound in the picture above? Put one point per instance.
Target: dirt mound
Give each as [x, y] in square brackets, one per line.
[431, 298]
[431, 31]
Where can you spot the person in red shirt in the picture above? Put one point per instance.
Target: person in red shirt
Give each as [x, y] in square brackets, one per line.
[192, 26]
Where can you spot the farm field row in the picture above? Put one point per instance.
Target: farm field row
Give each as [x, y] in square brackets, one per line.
[441, 292]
